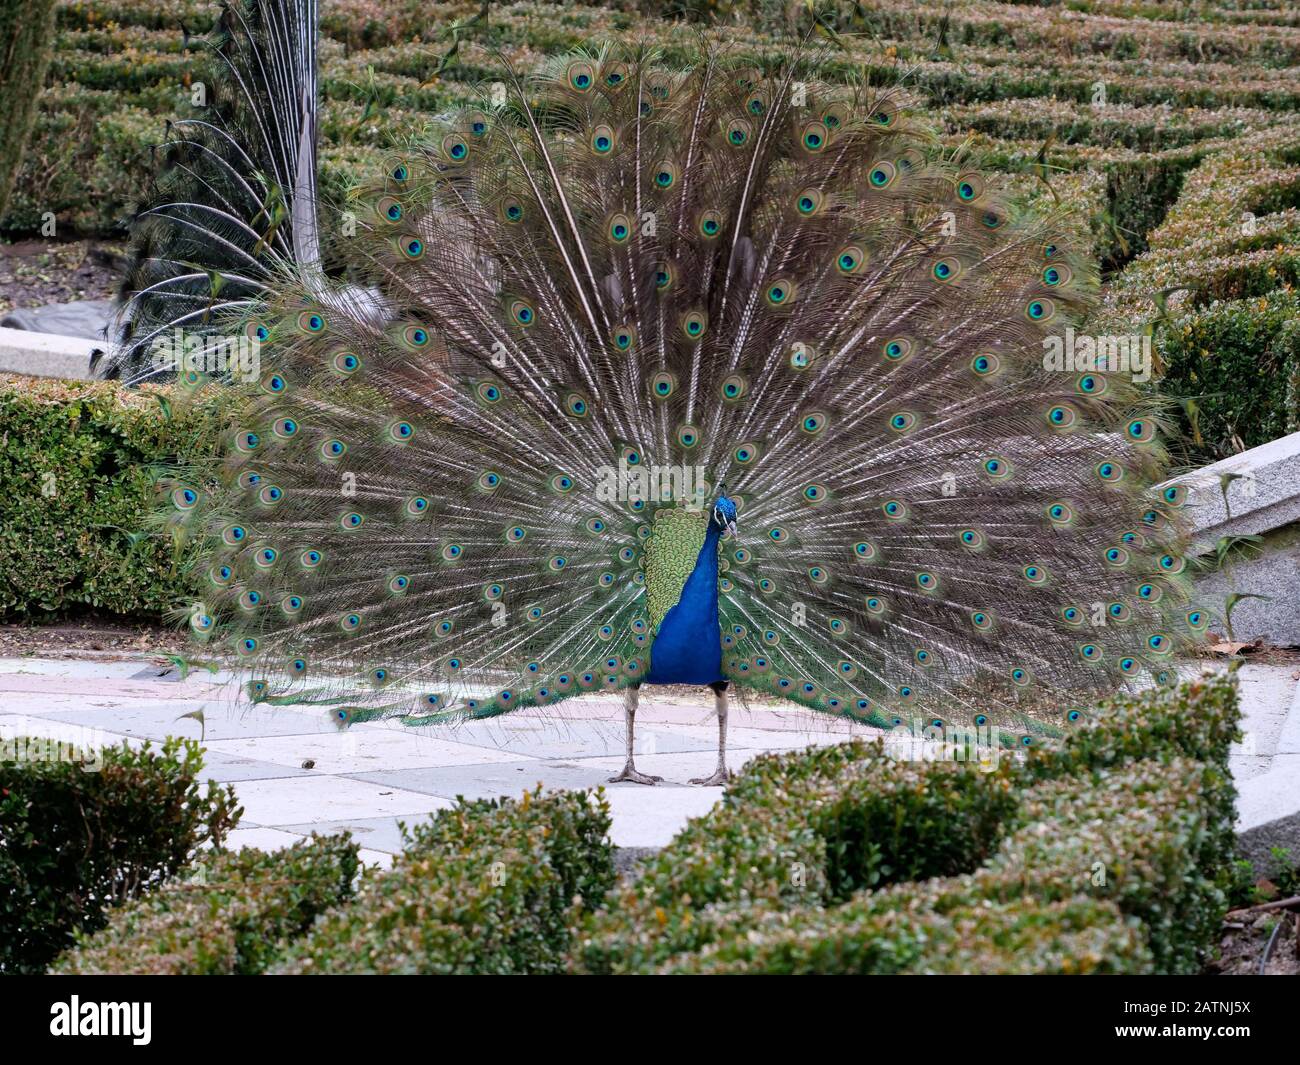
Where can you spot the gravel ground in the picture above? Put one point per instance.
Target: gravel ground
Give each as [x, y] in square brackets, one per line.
[90, 637]
[34, 273]
[1245, 940]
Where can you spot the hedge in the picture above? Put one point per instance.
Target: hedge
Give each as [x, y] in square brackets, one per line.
[1115, 857]
[1238, 362]
[233, 913]
[77, 464]
[1228, 256]
[760, 883]
[491, 886]
[80, 832]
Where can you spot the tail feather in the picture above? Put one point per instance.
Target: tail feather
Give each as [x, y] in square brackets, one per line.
[630, 279]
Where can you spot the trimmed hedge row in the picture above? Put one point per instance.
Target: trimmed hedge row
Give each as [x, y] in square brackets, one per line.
[81, 831]
[1114, 858]
[1229, 253]
[761, 883]
[387, 61]
[491, 886]
[231, 916]
[76, 463]
[1236, 366]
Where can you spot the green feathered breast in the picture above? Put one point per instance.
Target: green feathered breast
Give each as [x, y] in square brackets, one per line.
[670, 554]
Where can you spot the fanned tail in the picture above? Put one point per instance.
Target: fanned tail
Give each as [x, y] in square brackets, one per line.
[624, 287]
[233, 209]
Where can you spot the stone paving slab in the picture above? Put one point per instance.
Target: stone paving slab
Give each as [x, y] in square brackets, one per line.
[375, 834]
[359, 750]
[279, 801]
[378, 773]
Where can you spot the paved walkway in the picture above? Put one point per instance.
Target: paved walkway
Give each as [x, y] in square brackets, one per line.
[374, 775]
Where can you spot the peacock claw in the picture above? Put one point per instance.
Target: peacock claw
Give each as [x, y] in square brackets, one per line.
[718, 779]
[634, 776]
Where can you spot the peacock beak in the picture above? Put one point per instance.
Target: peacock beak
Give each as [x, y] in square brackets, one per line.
[729, 530]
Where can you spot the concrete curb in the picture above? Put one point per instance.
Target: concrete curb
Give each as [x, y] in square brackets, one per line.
[1268, 805]
[1257, 494]
[47, 354]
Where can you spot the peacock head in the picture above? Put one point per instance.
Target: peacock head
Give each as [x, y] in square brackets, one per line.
[724, 513]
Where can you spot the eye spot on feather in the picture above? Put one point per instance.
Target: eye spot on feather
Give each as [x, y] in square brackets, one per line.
[1141, 430]
[455, 148]
[813, 423]
[710, 224]
[814, 137]
[345, 364]
[522, 313]
[897, 349]
[624, 337]
[780, 293]
[620, 228]
[1035, 574]
[946, 270]
[662, 385]
[882, 175]
[850, 259]
[665, 174]
[1061, 416]
[985, 364]
[694, 324]
[1041, 310]
[734, 387]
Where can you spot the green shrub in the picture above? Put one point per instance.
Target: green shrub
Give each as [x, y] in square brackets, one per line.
[491, 886]
[76, 466]
[75, 840]
[1117, 855]
[233, 915]
[1237, 365]
[799, 829]
[1140, 787]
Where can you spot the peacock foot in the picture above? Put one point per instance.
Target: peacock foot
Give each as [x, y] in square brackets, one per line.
[631, 774]
[720, 776]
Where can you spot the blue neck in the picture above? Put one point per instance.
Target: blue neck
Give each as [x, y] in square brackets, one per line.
[688, 647]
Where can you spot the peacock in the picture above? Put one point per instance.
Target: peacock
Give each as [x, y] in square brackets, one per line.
[711, 373]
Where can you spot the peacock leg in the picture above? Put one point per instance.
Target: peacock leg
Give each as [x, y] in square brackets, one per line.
[720, 775]
[630, 698]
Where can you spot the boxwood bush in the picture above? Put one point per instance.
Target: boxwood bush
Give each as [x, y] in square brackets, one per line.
[1124, 831]
[232, 914]
[76, 840]
[76, 461]
[491, 886]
